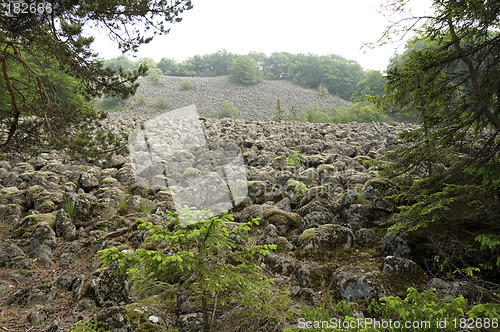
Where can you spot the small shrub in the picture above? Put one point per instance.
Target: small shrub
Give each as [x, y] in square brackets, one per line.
[92, 325]
[323, 91]
[141, 100]
[186, 85]
[154, 76]
[228, 110]
[111, 103]
[161, 104]
[316, 114]
[69, 206]
[211, 258]
[295, 159]
[146, 207]
[123, 204]
[300, 189]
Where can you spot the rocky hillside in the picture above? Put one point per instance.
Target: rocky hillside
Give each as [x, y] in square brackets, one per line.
[207, 93]
[327, 214]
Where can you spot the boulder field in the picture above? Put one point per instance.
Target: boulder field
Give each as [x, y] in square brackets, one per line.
[327, 212]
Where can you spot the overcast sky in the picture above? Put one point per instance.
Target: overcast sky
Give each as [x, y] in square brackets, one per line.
[296, 26]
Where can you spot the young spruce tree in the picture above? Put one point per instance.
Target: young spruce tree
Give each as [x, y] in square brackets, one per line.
[207, 257]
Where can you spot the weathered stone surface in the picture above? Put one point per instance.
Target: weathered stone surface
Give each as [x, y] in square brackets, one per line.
[269, 235]
[9, 253]
[41, 315]
[316, 218]
[33, 295]
[280, 264]
[43, 234]
[86, 209]
[64, 226]
[108, 290]
[326, 237]
[341, 191]
[284, 221]
[10, 213]
[394, 245]
[88, 181]
[364, 236]
[404, 268]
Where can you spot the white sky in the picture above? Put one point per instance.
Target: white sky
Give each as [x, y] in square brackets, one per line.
[295, 26]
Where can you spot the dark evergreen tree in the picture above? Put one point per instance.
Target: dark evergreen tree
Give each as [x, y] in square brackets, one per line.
[36, 45]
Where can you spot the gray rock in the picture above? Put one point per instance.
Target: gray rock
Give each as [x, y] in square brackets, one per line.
[64, 226]
[109, 290]
[43, 255]
[251, 212]
[283, 245]
[280, 264]
[116, 161]
[303, 273]
[360, 214]
[315, 219]
[88, 181]
[309, 296]
[86, 209]
[394, 245]
[41, 315]
[33, 295]
[269, 235]
[326, 237]
[10, 213]
[43, 234]
[284, 221]
[352, 286]
[403, 268]
[126, 175]
[364, 236]
[9, 253]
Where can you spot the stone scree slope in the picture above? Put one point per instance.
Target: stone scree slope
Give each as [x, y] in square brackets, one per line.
[56, 213]
[257, 102]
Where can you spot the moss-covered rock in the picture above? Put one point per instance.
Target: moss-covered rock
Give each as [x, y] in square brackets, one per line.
[326, 237]
[8, 191]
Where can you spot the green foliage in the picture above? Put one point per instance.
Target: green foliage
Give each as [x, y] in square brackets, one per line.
[424, 309]
[50, 70]
[371, 85]
[92, 325]
[426, 306]
[155, 77]
[111, 103]
[245, 71]
[161, 104]
[337, 74]
[317, 115]
[323, 91]
[68, 205]
[146, 207]
[121, 61]
[186, 85]
[300, 189]
[491, 242]
[280, 113]
[201, 253]
[489, 173]
[295, 159]
[448, 78]
[228, 110]
[356, 112]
